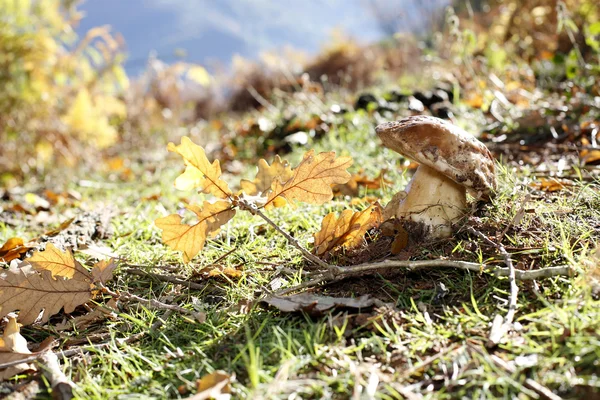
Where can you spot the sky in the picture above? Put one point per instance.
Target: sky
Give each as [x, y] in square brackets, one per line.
[218, 29]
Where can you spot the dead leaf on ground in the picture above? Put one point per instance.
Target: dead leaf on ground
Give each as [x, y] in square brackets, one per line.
[216, 386]
[279, 169]
[30, 292]
[217, 271]
[13, 248]
[348, 230]
[103, 270]
[60, 228]
[190, 239]
[394, 228]
[199, 172]
[59, 264]
[352, 187]
[590, 157]
[312, 179]
[315, 304]
[551, 184]
[13, 347]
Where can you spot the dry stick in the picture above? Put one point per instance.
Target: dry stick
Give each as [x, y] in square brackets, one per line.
[500, 326]
[307, 254]
[62, 387]
[152, 303]
[345, 272]
[166, 278]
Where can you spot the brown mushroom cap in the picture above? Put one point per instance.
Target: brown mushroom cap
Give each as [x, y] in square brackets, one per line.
[444, 147]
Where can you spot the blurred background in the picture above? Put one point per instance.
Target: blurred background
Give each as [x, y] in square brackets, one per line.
[107, 83]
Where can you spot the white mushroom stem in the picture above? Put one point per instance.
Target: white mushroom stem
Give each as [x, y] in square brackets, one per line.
[434, 200]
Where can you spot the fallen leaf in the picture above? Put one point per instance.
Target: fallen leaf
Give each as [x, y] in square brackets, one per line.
[13, 248]
[199, 172]
[351, 188]
[400, 241]
[347, 230]
[213, 386]
[103, 270]
[312, 179]
[59, 264]
[590, 156]
[190, 239]
[13, 347]
[265, 176]
[30, 292]
[60, 228]
[550, 184]
[315, 304]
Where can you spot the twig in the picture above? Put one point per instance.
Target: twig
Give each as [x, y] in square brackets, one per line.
[307, 254]
[344, 272]
[62, 387]
[166, 278]
[152, 303]
[500, 326]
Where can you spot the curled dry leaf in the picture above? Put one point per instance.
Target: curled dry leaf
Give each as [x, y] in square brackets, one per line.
[312, 179]
[214, 386]
[190, 239]
[314, 304]
[348, 230]
[13, 248]
[265, 176]
[199, 172]
[13, 347]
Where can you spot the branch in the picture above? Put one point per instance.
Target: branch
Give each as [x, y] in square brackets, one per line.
[62, 387]
[307, 254]
[344, 272]
[152, 303]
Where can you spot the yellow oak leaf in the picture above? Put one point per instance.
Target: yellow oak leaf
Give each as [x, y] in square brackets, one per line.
[12, 249]
[190, 239]
[59, 264]
[312, 179]
[199, 172]
[347, 230]
[265, 176]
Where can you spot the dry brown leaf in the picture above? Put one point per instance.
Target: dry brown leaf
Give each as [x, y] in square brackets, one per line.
[60, 228]
[13, 347]
[351, 188]
[265, 176]
[400, 241]
[347, 230]
[550, 184]
[103, 270]
[315, 304]
[590, 156]
[199, 172]
[190, 239]
[59, 264]
[31, 292]
[312, 179]
[213, 386]
[13, 248]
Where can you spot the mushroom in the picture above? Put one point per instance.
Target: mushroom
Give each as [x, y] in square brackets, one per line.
[452, 162]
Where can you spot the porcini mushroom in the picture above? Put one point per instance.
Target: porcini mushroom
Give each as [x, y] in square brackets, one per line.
[451, 162]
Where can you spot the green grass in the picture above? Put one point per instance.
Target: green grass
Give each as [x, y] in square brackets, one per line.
[418, 344]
